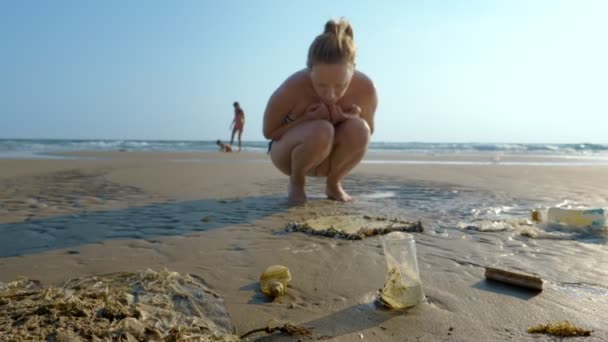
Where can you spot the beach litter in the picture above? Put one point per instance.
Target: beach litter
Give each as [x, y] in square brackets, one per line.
[402, 287]
[353, 227]
[521, 279]
[273, 281]
[571, 217]
[561, 329]
[149, 305]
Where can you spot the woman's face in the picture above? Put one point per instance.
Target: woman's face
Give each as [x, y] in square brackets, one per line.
[331, 81]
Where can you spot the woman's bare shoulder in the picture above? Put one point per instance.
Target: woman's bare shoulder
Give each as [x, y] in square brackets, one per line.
[295, 82]
[288, 96]
[364, 83]
[291, 90]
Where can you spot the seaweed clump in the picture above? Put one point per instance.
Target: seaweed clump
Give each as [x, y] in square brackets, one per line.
[561, 329]
[145, 306]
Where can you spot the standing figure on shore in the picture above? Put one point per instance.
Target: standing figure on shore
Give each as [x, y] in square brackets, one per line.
[238, 124]
[321, 118]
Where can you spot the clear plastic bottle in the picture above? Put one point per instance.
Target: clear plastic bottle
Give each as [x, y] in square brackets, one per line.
[273, 282]
[579, 218]
[402, 287]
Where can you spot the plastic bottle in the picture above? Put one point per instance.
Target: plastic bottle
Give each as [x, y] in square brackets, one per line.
[273, 281]
[402, 287]
[579, 218]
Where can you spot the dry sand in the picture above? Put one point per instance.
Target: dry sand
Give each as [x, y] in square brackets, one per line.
[128, 211]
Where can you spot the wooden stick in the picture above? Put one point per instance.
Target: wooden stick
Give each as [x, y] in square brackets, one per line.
[526, 280]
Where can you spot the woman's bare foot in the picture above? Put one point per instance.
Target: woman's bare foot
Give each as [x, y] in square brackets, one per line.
[296, 195]
[335, 192]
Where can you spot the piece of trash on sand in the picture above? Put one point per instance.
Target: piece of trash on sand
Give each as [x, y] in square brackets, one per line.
[571, 217]
[402, 287]
[273, 281]
[527, 280]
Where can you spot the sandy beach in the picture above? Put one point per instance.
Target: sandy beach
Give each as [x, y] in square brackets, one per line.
[222, 217]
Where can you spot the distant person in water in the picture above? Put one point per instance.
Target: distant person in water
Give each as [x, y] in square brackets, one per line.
[223, 147]
[238, 124]
[321, 118]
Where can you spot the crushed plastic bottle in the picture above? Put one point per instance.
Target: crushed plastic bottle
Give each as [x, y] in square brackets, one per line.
[580, 218]
[273, 282]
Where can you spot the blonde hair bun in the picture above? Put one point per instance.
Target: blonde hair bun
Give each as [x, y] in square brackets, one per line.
[339, 28]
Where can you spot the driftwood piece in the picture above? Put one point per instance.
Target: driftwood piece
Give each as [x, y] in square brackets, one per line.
[527, 280]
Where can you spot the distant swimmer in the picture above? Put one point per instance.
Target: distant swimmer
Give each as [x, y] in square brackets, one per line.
[223, 147]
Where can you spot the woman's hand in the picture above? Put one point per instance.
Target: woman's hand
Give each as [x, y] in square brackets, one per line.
[317, 111]
[337, 115]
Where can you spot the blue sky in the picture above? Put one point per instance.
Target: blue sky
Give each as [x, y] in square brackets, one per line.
[446, 71]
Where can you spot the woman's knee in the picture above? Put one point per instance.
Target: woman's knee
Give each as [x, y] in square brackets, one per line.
[321, 133]
[354, 132]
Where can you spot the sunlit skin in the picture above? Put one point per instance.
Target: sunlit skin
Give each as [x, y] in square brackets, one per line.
[330, 81]
[331, 110]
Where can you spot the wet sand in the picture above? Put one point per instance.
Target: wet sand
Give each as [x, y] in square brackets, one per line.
[222, 217]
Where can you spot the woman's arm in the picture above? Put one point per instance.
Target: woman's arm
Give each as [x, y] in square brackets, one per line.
[368, 109]
[286, 126]
[369, 100]
[279, 106]
[276, 124]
